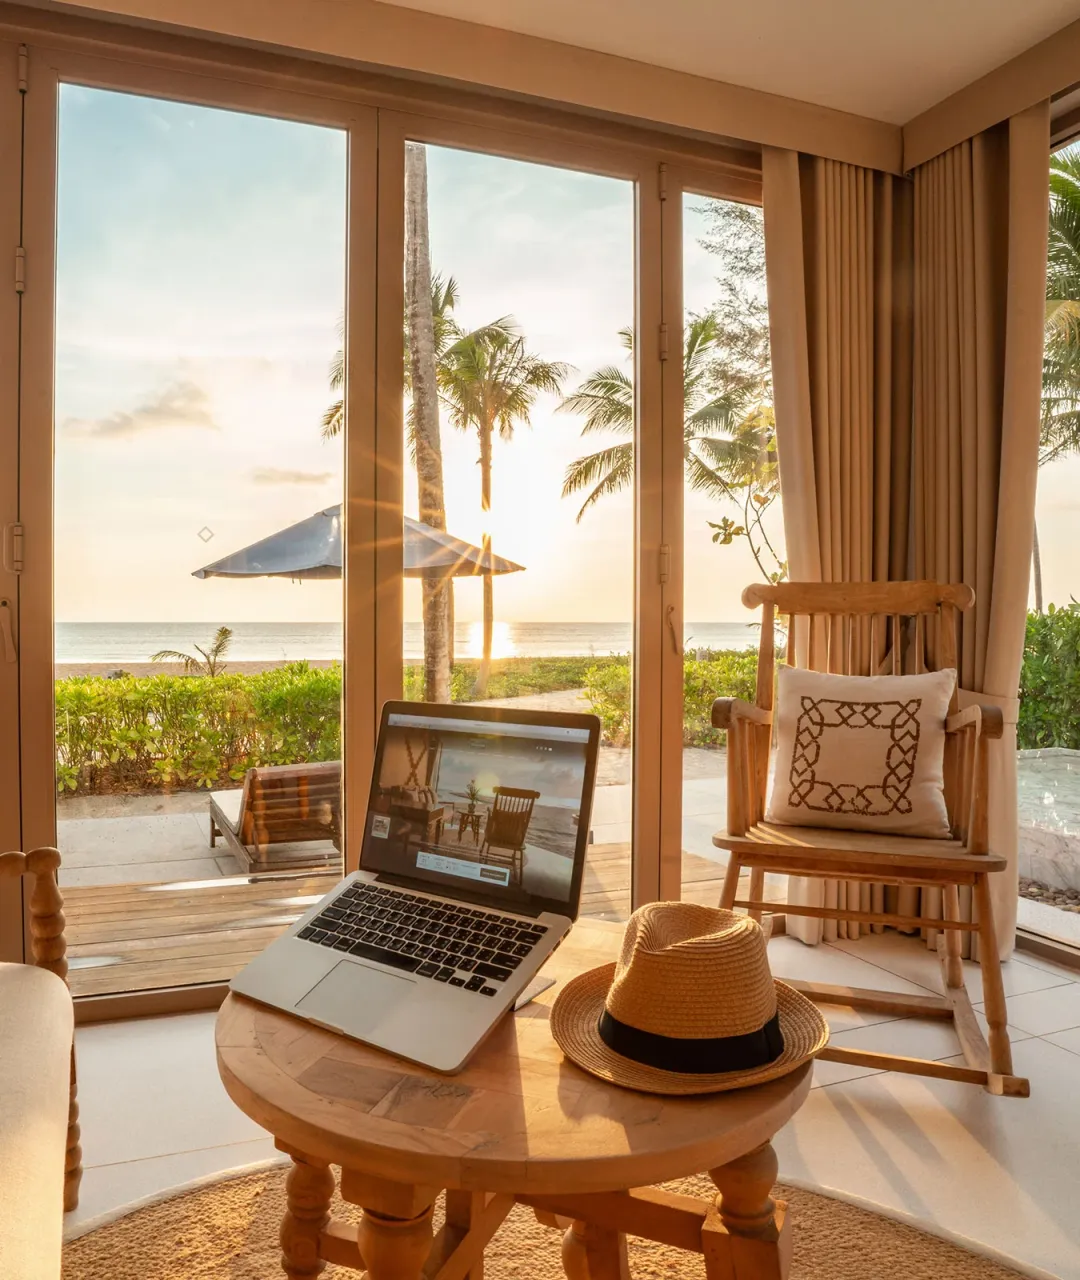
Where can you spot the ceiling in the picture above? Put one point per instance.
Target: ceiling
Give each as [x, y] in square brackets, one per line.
[889, 61]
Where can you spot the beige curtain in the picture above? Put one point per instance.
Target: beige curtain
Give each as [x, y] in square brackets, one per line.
[980, 289]
[948, 435]
[838, 247]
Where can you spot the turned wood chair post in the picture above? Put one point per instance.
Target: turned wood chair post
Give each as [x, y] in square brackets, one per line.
[859, 629]
[48, 950]
[760, 736]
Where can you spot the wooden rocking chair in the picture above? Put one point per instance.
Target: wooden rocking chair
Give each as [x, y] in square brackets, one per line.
[876, 628]
[507, 828]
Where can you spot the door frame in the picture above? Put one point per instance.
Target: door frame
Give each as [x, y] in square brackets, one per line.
[49, 68]
[11, 113]
[641, 168]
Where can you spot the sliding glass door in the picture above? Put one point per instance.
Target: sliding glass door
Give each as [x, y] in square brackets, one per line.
[721, 500]
[323, 404]
[185, 664]
[520, 440]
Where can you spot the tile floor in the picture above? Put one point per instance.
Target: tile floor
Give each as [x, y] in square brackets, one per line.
[1003, 1172]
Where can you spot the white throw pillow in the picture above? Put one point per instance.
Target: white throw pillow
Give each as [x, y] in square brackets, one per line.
[863, 753]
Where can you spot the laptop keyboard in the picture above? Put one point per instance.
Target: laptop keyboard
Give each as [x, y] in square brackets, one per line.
[462, 946]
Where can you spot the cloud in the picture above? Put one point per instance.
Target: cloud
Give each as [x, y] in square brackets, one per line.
[274, 475]
[180, 404]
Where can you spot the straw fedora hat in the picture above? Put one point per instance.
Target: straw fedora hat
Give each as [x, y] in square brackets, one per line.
[690, 1007]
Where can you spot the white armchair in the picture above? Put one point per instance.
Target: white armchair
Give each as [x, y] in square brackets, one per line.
[40, 1156]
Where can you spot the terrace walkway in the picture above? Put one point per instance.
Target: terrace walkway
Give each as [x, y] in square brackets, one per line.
[134, 937]
[150, 904]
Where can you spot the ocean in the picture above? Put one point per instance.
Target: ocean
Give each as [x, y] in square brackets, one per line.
[131, 642]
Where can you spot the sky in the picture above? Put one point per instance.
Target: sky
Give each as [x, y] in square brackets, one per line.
[200, 285]
[200, 281]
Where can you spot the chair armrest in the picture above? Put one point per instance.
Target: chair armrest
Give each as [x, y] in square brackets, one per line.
[987, 718]
[727, 710]
[47, 942]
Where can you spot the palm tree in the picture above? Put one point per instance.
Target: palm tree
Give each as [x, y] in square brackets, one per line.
[729, 449]
[428, 328]
[444, 298]
[490, 381]
[210, 662]
[1060, 426]
[445, 332]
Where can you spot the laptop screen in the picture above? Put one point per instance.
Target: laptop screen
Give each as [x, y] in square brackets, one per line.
[484, 804]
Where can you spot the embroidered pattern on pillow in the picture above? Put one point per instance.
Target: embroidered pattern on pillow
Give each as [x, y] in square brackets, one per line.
[835, 795]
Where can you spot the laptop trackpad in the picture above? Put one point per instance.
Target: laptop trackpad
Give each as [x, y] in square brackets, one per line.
[354, 996]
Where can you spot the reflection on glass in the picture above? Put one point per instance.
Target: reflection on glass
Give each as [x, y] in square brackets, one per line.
[197, 701]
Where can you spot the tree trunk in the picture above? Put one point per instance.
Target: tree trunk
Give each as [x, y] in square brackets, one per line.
[484, 674]
[1036, 567]
[429, 468]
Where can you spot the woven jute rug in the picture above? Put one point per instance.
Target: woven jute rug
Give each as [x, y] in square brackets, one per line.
[228, 1231]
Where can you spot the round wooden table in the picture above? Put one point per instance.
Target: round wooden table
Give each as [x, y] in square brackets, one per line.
[519, 1124]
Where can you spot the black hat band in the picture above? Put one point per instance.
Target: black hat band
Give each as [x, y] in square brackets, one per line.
[710, 1056]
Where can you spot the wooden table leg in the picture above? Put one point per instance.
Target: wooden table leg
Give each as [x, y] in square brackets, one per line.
[394, 1248]
[462, 1210]
[746, 1235]
[590, 1252]
[309, 1189]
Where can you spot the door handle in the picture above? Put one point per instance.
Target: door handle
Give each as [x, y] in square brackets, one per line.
[14, 535]
[671, 630]
[7, 632]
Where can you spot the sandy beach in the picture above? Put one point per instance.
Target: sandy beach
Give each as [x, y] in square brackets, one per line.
[65, 669]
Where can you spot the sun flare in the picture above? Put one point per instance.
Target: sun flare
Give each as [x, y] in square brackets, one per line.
[502, 644]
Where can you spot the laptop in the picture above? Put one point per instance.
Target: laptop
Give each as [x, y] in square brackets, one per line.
[470, 875]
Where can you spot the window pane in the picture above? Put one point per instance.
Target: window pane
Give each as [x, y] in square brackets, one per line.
[1049, 726]
[526, 457]
[192, 378]
[733, 533]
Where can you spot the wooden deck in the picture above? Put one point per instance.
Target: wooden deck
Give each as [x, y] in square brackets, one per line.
[136, 937]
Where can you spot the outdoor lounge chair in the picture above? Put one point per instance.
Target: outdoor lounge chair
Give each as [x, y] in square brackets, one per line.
[286, 804]
[878, 628]
[506, 829]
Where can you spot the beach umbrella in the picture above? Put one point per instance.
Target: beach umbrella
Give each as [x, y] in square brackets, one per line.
[312, 549]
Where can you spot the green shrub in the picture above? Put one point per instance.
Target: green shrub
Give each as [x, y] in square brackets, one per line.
[607, 688]
[142, 733]
[510, 677]
[145, 733]
[710, 674]
[1050, 680]
[716, 673]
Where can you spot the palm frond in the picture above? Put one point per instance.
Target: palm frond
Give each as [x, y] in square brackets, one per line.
[191, 665]
[488, 379]
[221, 642]
[605, 400]
[587, 470]
[702, 478]
[333, 420]
[721, 413]
[608, 470]
[1060, 412]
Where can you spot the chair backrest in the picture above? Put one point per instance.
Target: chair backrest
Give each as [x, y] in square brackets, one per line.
[291, 802]
[859, 628]
[510, 816]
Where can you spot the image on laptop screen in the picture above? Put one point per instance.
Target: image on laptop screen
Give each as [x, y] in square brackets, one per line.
[472, 804]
